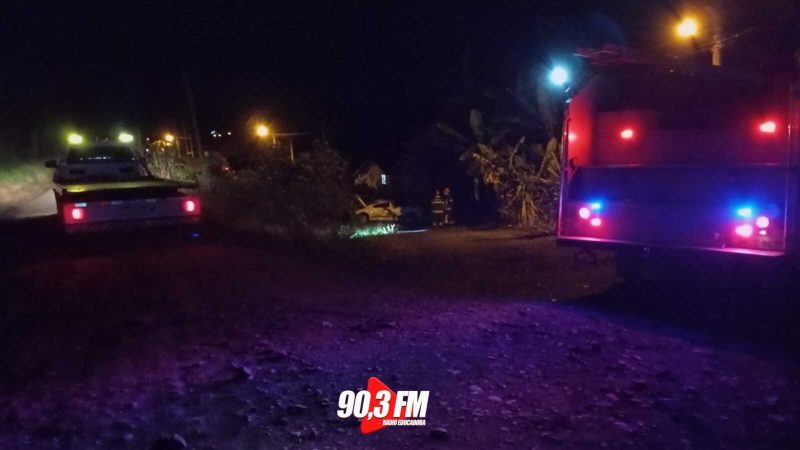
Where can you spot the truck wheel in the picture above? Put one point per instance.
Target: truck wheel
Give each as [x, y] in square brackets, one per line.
[363, 219]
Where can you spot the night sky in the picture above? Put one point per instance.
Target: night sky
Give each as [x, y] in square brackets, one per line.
[370, 73]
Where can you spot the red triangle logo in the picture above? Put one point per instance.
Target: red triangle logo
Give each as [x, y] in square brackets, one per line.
[370, 424]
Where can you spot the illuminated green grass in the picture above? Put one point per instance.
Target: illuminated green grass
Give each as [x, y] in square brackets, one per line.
[15, 172]
[372, 230]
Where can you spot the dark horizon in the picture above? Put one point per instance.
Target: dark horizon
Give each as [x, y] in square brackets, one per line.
[370, 75]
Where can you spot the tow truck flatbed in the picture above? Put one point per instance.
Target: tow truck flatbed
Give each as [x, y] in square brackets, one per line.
[75, 188]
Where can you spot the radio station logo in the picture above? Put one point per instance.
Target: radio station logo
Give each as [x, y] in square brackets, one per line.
[380, 407]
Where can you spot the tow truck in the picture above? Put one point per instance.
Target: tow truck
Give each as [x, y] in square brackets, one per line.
[666, 157]
[106, 186]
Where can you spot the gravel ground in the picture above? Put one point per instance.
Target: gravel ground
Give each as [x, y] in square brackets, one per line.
[229, 344]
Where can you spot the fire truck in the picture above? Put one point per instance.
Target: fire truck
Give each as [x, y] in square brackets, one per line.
[663, 155]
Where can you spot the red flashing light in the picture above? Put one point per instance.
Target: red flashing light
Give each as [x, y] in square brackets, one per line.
[744, 230]
[762, 222]
[626, 134]
[768, 127]
[584, 213]
[572, 137]
[596, 222]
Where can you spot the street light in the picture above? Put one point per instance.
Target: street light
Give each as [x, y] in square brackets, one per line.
[169, 138]
[262, 131]
[687, 28]
[75, 139]
[559, 76]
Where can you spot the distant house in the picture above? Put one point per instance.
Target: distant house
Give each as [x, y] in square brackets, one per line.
[370, 175]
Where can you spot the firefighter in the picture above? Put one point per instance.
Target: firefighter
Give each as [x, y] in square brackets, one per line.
[437, 209]
[448, 206]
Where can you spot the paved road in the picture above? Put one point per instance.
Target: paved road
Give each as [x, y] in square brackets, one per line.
[231, 342]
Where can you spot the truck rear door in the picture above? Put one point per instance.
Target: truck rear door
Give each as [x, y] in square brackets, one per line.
[662, 157]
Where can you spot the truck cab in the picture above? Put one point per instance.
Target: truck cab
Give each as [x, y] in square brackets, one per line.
[106, 186]
[680, 157]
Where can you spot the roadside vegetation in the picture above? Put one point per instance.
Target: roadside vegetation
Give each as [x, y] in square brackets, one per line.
[22, 180]
[310, 197]
[511, 145]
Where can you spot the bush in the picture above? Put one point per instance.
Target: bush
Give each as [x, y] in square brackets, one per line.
[310, 197]
[168, 165]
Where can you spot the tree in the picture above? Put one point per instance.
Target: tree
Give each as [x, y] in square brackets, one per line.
[515, 152]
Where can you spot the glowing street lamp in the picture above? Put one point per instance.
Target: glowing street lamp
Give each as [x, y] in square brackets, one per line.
[75, 139]
[559, 76]
[125, 138]
[262, 131]
[169, 138]
[687, 28]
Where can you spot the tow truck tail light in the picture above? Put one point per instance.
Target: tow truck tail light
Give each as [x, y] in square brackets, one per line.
[74, 212]
[191, 206]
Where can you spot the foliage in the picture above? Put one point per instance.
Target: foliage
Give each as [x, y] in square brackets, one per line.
[169, 165]
[527, 187]
[515, 152]
[372, 230]
[311, 196]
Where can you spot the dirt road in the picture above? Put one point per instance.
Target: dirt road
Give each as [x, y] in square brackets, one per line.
[231, 343]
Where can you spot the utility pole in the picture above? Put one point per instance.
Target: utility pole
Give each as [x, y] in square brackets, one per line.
[716, 45]
[190, 101]
[717, 12]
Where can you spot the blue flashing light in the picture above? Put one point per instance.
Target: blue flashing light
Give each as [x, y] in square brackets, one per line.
[596, 206]
[746, 212]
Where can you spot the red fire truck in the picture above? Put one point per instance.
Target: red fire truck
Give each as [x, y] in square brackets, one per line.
[665, 156]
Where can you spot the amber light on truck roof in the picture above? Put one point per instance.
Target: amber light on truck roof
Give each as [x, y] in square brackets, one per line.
[75, 139]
